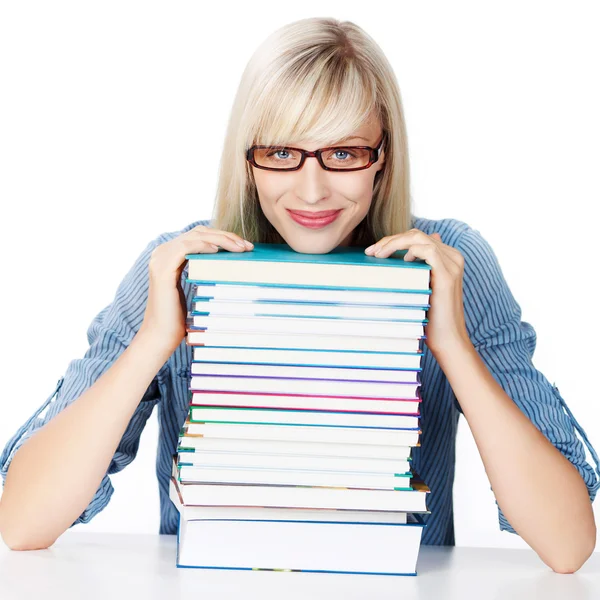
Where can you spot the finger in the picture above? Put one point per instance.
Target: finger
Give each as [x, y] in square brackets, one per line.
[203, 229]
[417, 251]
[430, 254]
[402, 244]
[207, 241]
[452, 253]
[226, 241]
[448, 252]
[385, 246]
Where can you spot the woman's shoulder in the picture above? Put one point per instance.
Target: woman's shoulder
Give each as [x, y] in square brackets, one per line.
[450, 230]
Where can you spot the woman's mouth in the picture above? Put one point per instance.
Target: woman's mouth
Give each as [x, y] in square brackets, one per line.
[314, 220]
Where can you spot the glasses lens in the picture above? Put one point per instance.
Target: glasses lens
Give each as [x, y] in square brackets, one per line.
[334, 158]
[277, 157]
[345, 158]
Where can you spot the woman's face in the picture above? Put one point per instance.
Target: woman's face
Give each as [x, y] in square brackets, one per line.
[313, 189]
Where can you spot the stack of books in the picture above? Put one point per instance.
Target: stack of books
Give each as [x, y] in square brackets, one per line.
[304, 408]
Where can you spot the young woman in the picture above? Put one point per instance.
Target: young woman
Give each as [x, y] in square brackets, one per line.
[322, 91]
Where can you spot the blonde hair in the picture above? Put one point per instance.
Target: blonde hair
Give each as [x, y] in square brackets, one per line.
[317, 78]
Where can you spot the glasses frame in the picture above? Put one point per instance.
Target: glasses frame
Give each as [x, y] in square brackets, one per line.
[373, 156]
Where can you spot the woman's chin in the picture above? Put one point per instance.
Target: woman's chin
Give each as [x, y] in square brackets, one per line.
[312, 244]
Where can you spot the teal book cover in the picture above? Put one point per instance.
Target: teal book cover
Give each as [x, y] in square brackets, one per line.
[342, 255]
[342, 268]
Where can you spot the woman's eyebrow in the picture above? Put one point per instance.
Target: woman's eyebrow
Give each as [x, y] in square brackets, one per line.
[349, 137]
[353, 137]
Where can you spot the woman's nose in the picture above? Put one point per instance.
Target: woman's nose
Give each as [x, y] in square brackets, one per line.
[310, 181]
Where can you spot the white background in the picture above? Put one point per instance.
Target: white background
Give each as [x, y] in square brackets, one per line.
[112, 117]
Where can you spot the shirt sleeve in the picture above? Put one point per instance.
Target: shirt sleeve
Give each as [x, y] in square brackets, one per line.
[109, 333]
[506, 345]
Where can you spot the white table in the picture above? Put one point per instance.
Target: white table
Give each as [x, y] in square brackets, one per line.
[82, 565]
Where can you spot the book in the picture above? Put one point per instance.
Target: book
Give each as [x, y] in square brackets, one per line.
[324, 310]
[293, 477]
[278, 416]
[203, 513]
[307, 357]
[305, 372]
[300, 433]
[306, 326]
[280, 539]
[282, 385]
[271, 460]
[299, 496]
[244, 339]
[305, 402]
[281, 448]
[279, 264]
[227, 291]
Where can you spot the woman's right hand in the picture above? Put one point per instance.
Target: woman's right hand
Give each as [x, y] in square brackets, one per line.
[166, 308]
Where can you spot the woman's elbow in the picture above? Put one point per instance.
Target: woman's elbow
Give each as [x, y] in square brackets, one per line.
[573, 561]
[16, 540]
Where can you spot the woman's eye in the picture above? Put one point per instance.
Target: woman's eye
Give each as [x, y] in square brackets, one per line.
[279, 153]
[342, 154]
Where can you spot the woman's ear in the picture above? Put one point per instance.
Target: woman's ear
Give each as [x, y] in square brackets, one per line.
[378, 176]
[381, 161]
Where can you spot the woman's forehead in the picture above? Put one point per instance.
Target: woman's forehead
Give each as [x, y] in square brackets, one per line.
[363, 136]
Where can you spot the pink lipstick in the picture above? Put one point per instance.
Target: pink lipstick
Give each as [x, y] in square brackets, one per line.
[314, 220]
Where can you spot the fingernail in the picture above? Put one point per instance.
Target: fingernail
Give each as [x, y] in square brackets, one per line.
[370, 248]
[249, 244]
[241, 244]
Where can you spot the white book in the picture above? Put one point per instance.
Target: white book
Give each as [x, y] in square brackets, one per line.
[348, 548]
[241, 460]
[204, 513]
[299, 433]
[305, 372]
[199, 494]
[226, 291]
[294, 477]
[307, 326]
[311, 357]
[308, 309]
[238, 339]
[305, 402]
[203, 414]
[287, 448]
[298, 540]
[298, 496]
[326, 387]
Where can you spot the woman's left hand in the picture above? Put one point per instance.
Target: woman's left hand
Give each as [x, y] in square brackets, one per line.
[446, 327]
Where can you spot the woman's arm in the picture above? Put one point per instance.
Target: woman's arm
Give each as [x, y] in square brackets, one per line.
[55, 474]
[536, 465]
[534, 484]
[58, 466]
[50, 479]
[534, 461]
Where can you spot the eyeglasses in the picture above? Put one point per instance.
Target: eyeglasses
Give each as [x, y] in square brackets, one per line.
[285, 158]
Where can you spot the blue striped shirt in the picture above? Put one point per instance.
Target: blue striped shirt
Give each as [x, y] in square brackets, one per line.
[493, 318]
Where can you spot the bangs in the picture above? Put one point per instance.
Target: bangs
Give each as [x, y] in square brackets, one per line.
[323, 98]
